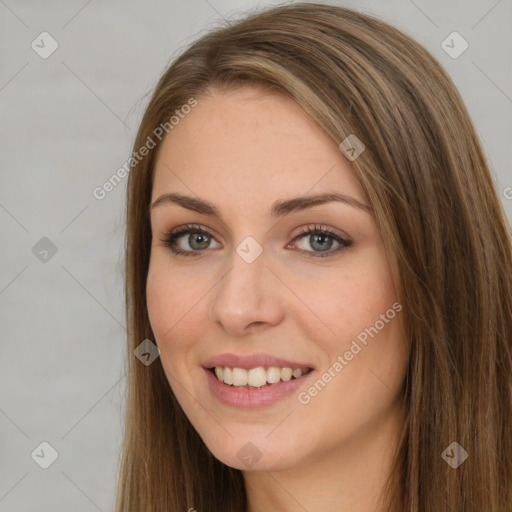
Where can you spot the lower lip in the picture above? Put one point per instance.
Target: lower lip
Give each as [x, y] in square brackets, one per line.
[253, 397]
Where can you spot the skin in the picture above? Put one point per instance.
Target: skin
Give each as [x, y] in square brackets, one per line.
[242, 151]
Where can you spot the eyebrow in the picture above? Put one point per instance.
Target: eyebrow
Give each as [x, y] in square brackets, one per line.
[279, 208]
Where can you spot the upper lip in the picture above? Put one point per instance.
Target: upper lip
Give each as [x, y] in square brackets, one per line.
[252, 361]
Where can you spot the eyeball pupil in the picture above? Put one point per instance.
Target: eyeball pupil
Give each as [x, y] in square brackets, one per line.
[322, 245]
[198, 236]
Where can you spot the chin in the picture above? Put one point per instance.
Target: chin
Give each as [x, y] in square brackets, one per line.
[258, 454]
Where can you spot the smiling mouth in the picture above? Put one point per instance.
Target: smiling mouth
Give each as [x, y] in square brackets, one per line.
[258, 377]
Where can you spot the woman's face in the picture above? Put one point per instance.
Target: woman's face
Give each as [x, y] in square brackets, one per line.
[258, 289]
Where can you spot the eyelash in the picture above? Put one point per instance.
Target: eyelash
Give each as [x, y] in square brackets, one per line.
[169, 240]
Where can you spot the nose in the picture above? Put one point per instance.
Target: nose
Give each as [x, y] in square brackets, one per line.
[247, 297]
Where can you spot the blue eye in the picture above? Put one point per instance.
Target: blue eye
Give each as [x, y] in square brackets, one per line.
[323, 239]
[199, 239]
[196, 236]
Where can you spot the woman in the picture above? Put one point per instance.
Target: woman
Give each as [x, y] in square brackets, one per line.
[315, 246]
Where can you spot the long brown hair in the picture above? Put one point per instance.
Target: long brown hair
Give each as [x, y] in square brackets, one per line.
[446, 236]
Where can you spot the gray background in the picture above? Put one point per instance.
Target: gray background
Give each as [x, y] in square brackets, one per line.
[68, 122]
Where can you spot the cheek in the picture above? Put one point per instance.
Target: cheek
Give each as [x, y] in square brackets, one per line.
[159, 301]
[369, 335]
[164, 309]
[351, 301]
[173, 302]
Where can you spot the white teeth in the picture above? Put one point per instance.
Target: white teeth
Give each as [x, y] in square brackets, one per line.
[239, 377]
[286, 374]
[228, 376]
[219, 371]
[256, 377]
[273, 374]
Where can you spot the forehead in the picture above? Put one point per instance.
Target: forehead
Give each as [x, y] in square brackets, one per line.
[251, 143]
